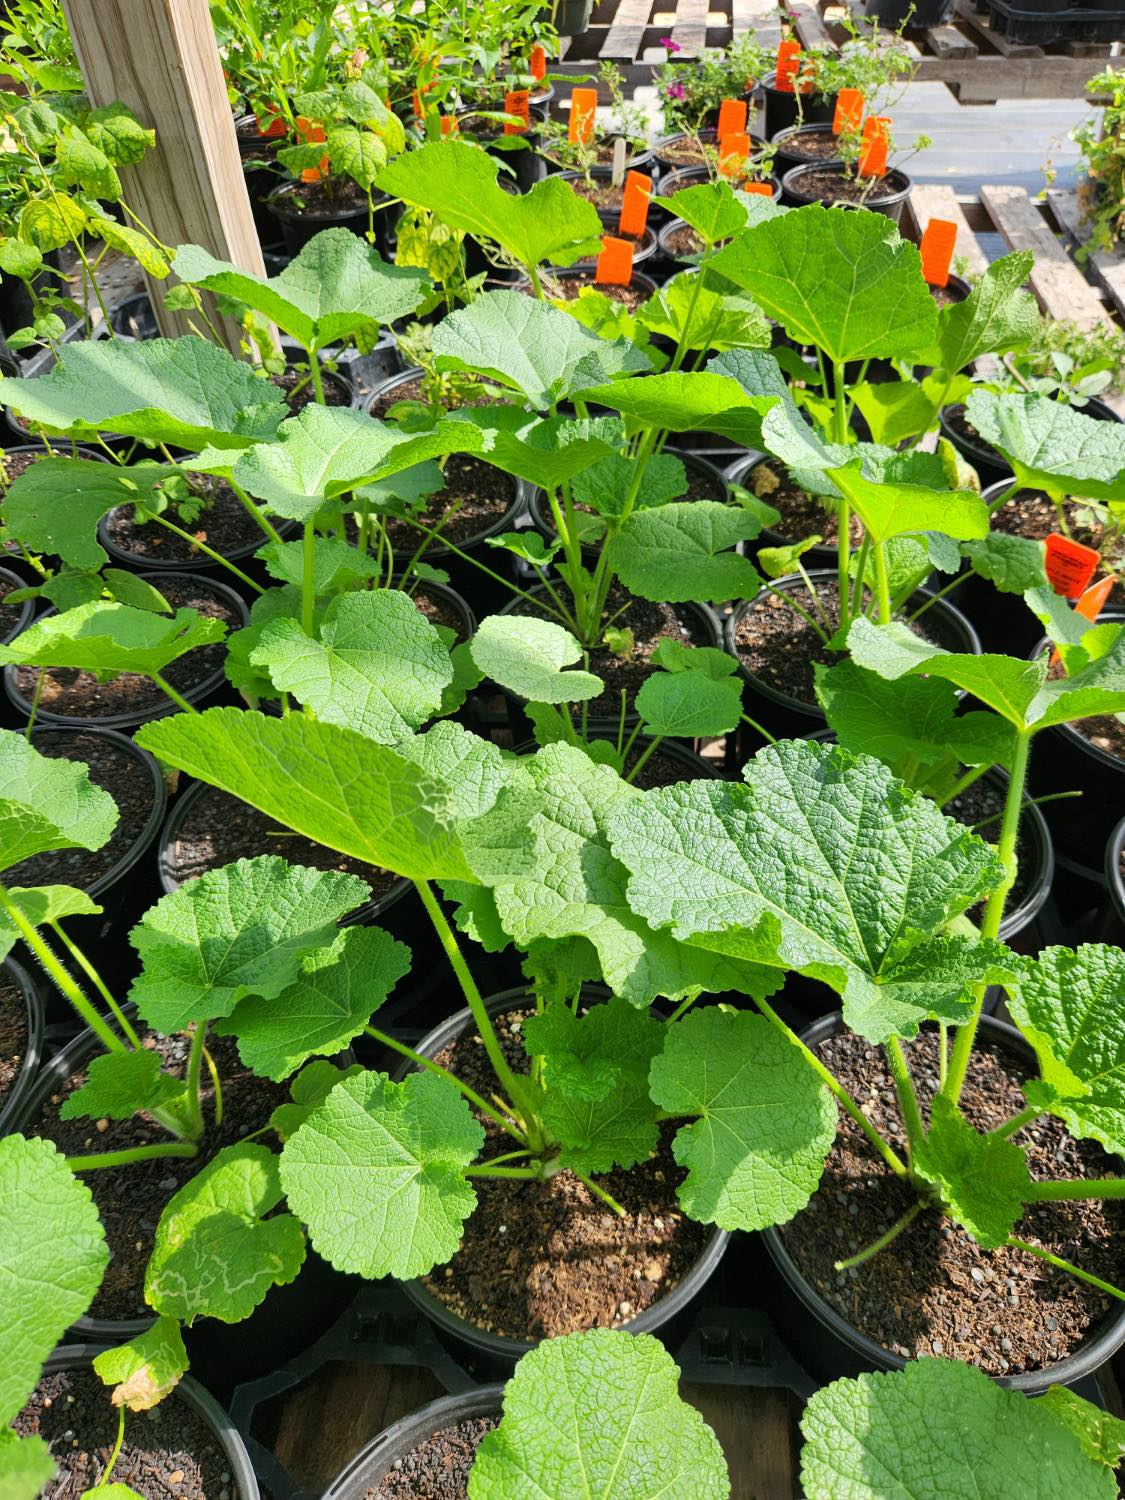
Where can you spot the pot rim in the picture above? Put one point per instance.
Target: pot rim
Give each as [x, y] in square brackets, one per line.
[791, 185]
[1068, 731]
[498, 1345]
[824, 553]
[24, 1080]
[1114, 877]
[1105, 1337]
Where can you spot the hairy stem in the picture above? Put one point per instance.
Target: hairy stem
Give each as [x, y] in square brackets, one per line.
[907, 1096]
[1095, 1187]
[1017, 1122]
[1065, 1265]
[194, 1073]
[308, 577]
[884, 1239]
[88, 969]
[134, 1153]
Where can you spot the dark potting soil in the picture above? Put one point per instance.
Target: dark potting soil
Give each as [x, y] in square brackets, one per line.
[474, 498]
[9, 613]
[830, 186]
[603, 153]
[980, 807]
[1106, 731]
[659, 769]
[570, 288]
[933, 1290]
[438, 1468]
[542, 1259]
[15, 464]
[958, 421]
[325, 199]
[688, 153]
[117, 772]
[297, 388]
[168, 1450]
[683, 240]
[814, 145]
[779, 646]
[599, 191]
[411, 390]
[946, 296]
[650, 624]
[802, 515]
[218, 829]
[13, 1033]
[439, 611]
[1031, 513]
[69, 691]
[131, 1198]
[224, 524]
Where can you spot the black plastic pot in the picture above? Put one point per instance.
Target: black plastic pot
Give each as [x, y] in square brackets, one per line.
[524, 164]
[989, 464]
[571, 17]
[636, 161]
[668, 164]
[1002, 620]
[262, 173]
[665, 1319]
[12, 1104]
[889, 204]
[788, 142]
[639, 282]
[782, 109]
[784, 715]
[214, 683]
[1063, 760]
[1112, 926]
[26, 609]
[199, 562]
[194, 1395]
[917, 14]
[16, 305]
[830, 1347]
[382, 1455]
[958, 288]
[678, 259]
[670, 183]
[644, 253]
[823, 555]
[298, 227]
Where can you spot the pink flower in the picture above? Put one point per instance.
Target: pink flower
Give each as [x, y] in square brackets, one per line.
[675, 91]
[670, 45]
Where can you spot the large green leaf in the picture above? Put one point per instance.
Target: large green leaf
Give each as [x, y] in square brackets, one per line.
[219, 1246]
[119, 1085]
[711, 208]
[840, 279]
[184, 391]
[688, 402]
[26, 1466]
[999, 314]
[550, 225]
[598, 1414]
[545, 451]
[529, 657]
[338, 288]
[822, 862]
[889, 509]
[47, 803]
[107, 638]
[147, 1368]
[936, 1430]
[329, 783]
[375, 665]
[684, 551]
[535, 349]
[1071, 1007]
[689, 704]
[695, 317]
[1101, 1434]
[377, 1173]
[240, 930]
[982, 1179]
[766, 1121]
[339, 986]
[56, 504]
[52, 1256]
[1051, 445]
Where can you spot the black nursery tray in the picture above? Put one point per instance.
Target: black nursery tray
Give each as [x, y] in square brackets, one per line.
[1045, 28]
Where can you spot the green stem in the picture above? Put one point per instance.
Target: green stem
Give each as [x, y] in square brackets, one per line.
[837, 1089]
[860, 574]
[116, 1447]
[134, 1153]
[844, 515]
[994, 911]
[882, 584]
[787, 598]
[432, 1067]
[907, 1097]
[884, 1239]
[512, 588]
[194, 1073]
[600, 1192]
[644, 755]
[317, 378]
[1017, 1122]
[39, 681]
[207, 551]
[933, 599]
[63, 981]
[308, 578]
[1065, 1265]
[1103, 1187]
[177, 698]
[753, 723]
[96, 979]
[532, 1172]
[216, 1086]
[966, 781]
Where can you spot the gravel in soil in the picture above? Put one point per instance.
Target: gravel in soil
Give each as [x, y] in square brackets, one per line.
[814, 145]
[438, 1468]
[542, 1259]
[440, 611]
[131, 1198]
[17, 464]
[412, 390]
[601, 193]
[218, 829]
[650, 623]
[683, 241]
[475, 497]
[689, 152]
[69, 691]
[933, 1290]
[13, 1034]
[117, 771]
[829, 186]
[980, 807]
[781, 648]
[802, 515]
[168, 1451]
[224, 524]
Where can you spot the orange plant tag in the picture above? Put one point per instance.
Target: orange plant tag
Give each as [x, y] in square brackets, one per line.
[788, 61]
[873, 151]
[634, 204]
[1093, 600]
[615, 263]
[538, 62]
[275, 128]
[849, 111]
[449, 125]
[732, 118]
[1070, 565]
[936, 246]
[733, 151]
[516, 103]
[763, 189]
[583, 106]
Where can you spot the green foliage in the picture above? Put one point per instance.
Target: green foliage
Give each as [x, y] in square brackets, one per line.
[47, 804]
[982, 1179]
[528, 657]
[107, 638]
[147, 1368]
[682, 551]
[1051, 446]
[56, 504]
[121, 1084]
[308, 1091]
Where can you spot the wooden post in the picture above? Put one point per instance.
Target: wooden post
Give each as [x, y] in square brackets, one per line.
[160, 58]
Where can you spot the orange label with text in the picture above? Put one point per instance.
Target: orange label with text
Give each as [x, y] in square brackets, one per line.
[873, 149]
[615, 263]
[849, 111]
[275, 128]
[1070, 565]
[763, 189]
[517, 103]
[732, 118]
[733, 152]
[788, 61]
[936, 246]
[583, 107]
[634, 204]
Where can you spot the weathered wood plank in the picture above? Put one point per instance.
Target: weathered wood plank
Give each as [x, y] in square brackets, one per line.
[690, 29]
[160, 58]
[934, 201]
[809, 26]
[1060, 288]
[1106, 267]
[627, 30]
[979, 25]
[947, 42]
[760, 16]
[757, 1429]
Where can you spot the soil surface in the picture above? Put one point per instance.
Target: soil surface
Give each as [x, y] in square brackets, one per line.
[16, 464]
[570, 288]
[224, 524]
[650, 623]
[218, 829]
[946, 296]
[10, 614]
[440, 611]
[131, 1198]
[69, 691]
[438, 1469]
[777, 645]
[980, 808]
[683, 241]
[541, 1259]
[13, 1032]
[688, 151]
[297, 387]
[412, 390]
[802, 515]
[603, 153]
[326, 199]
[829, 186]
[814, 145]
[118, 772]
[933, 1290]
[599, 191]
[475, 497]
[168, 1451]
[958, 422]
